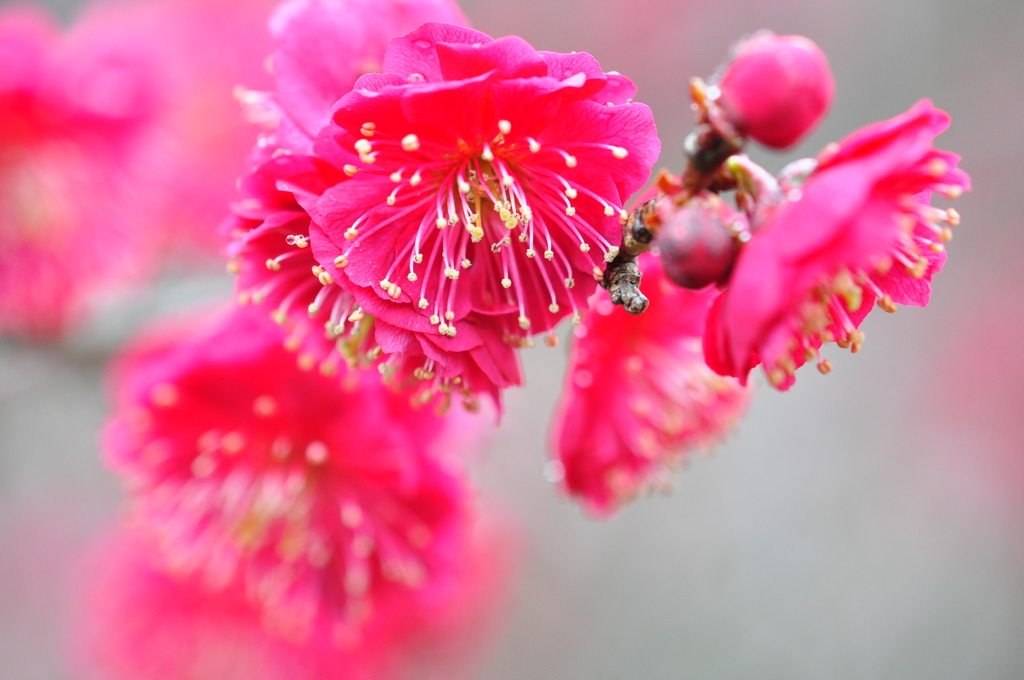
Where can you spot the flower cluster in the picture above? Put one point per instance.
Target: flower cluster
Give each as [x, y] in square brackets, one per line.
[421, 202]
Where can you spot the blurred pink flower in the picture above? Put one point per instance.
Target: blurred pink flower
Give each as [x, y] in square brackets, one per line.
[464, 143]
[74, 134]
[115, 138]
[327, 507]
[638, 395]
[137, 622]
[859, 230]
[200, 53]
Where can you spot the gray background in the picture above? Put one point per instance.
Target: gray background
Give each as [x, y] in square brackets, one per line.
[866, 525]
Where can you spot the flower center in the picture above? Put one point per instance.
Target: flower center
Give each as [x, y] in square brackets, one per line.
[473, 204]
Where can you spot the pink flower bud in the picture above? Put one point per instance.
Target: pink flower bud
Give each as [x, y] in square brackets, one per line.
[698, 240]
[778, 88]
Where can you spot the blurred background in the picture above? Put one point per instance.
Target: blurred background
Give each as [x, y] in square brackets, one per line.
[868, 524]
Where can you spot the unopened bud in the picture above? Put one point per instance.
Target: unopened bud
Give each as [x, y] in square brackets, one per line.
[777, 88]
[697, 240]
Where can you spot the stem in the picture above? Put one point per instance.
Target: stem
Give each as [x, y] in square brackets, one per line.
[707, 148]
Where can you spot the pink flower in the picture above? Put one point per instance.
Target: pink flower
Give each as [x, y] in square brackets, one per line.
[486, 194]
[137, 622]
[861, 229]
[638, 396]
[325, 507]
[73, 126]
[271, 251]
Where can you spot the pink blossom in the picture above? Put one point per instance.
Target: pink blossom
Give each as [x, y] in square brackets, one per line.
[486, 191]
[859, 230]
[638, 395]
[135, 621]
[73, 125]
[325, 507]
[271, 251]
[777, 88]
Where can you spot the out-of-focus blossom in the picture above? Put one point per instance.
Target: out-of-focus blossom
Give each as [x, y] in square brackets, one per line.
[74, 141]
[777, 88]
[860, 229]
[327, 507]
[135, 621]
[638, 395]
[115, 138]
[200, 52]
[486, 195]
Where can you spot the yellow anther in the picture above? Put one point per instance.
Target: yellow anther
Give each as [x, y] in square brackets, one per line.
[570, 211]
[410, 143]
[363, 147]
[506, 282]
[553, 308]
[886, 303]
[619, 152]
[350, 170]
[524, 323]
[325, 279]
[351, 233]
[570, 161]
[504, 126]
[396, 177]
[273, 265]
[824, 366]
[341, 261]
[412, 276]
[423, 303]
